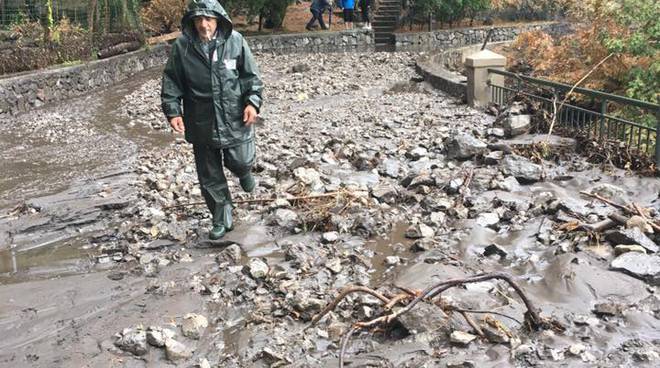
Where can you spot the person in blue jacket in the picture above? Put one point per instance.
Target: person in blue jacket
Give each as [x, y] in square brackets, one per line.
[317, 8]
[349, 8]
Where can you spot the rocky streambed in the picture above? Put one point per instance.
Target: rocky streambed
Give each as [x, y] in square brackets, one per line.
[369, 182]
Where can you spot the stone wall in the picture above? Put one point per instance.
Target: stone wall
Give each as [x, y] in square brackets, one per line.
[454, 38]
[25, 91]
[356, 40]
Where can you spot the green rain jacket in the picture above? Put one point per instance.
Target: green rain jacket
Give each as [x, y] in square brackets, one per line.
[214, 88]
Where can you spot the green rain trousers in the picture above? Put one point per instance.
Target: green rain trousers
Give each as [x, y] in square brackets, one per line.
[209, 161]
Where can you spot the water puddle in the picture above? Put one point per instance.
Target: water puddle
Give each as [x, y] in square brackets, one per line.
[396, 244]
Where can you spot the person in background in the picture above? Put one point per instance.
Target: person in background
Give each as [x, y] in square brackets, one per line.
[211, 91]
[317, 8]
[349, 9]
[364, 9]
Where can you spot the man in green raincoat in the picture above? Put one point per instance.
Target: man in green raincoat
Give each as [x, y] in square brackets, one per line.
[211, 91]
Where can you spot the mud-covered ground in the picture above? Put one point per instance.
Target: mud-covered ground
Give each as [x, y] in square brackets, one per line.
[366, 177]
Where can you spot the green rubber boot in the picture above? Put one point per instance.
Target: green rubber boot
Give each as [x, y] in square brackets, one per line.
[217, 232]
[248, 183]
[229, 221]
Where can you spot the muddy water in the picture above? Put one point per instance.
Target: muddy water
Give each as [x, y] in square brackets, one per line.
[65, 167]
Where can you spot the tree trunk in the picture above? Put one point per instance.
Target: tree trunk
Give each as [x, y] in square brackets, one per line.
[91, 11]
[3, 16]
[106, 17]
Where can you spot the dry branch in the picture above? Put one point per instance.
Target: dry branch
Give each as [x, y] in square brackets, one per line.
[532, 317]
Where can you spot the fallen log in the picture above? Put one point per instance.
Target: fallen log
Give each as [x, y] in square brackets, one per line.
[118, 49]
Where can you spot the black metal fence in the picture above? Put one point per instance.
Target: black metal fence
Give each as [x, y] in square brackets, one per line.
[601, 115]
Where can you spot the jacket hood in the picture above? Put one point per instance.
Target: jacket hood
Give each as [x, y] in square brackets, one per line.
[210, 8]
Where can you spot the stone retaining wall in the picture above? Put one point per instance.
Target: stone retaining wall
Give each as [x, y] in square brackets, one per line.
[453, 38]
[23, 92]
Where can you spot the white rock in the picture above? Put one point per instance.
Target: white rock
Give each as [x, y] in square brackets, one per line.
[193, 325]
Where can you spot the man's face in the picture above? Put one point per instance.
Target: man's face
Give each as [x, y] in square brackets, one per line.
[205, 27]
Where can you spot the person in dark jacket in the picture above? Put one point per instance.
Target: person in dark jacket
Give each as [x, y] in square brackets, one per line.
[317, 8]
[364, 9]
[211, 91]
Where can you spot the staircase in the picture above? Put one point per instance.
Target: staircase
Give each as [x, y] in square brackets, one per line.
[384, 22]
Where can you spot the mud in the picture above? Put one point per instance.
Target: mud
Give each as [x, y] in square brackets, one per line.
[91, 245]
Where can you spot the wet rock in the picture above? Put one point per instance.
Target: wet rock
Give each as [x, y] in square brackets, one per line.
[577, 349]
[488, 219]
[419, 231]
[231, 254]
[632, 236]
[640, 223]
[642, 266]
[385, 193]
[461, 364]
[494, 249]
[420, 180]
[495, 132]
[392, 260]
[422, 245]
[437, 219]
[646, 356]
[517, 124]
[620, 249]
[609, 191]
[607, 309]
[582, 320]
[493, 158]
[330, 237]
[461, 338]
[132, 340]
[495, 336]
[424, 317]
[176, 351]
[193, 325]
[300, 68]
[285, 218]
[417, 153]
[308, 176]
[391, 168]
[203, 363]
[509, 184]
[157, 336]
[334, 265]
[464, 146]
[521, 168]
[258, 269]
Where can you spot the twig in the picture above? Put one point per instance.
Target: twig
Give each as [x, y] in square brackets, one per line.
[344, 344]
[485, 312]
[343, 294]
[472, 324]
[557, 110]
[262, 200]
[395, 300]
[607, 201]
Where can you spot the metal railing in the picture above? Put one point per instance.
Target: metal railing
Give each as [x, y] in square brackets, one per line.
[601, 115]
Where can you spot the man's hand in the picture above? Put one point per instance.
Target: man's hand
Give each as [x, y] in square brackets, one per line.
[249, 115]
[177, 124]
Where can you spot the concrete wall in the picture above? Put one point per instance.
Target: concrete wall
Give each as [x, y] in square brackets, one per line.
[25, 91]
[453, 38]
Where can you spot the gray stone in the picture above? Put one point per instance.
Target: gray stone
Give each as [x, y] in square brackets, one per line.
[642, 266]
[631, 237]
[620, 249]
[417, 153]
[494, 335]
[517, 124]
[641, 223]
[391, 168]
[330, 237]
[461, 364]
[522, 168]
[488, 219]
[392, 260]
[607, 309]
[494, 249]
[231, 254]
[385, 193]
[422, 245]
[132, 340]
[464, 146]
[285, 218]
[193, 325]
[462, 338]
[494, 157]
[176, 351]
[609, 191]
[258, 268]
[419, 231]
[334, 265]
[509, 184]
